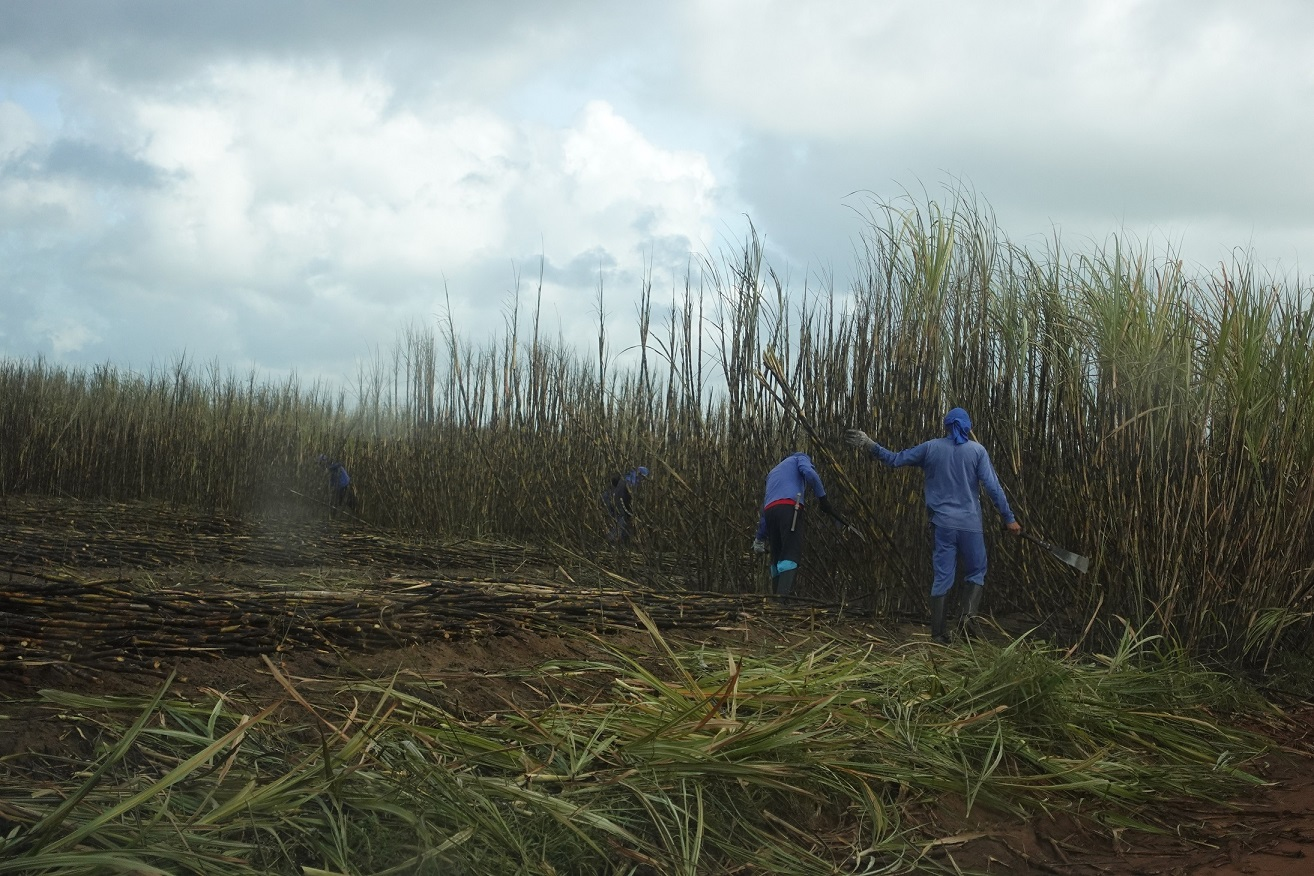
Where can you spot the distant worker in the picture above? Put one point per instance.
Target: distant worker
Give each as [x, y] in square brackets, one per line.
[780, 521]
[618, 501]
[955, 467]
[341, 493]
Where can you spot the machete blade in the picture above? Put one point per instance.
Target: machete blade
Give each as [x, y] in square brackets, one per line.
[1076, 561]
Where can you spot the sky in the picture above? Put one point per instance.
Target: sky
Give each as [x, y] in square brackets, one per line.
[286, 187]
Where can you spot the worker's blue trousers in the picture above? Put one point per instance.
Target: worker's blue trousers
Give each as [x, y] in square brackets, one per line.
[952, 545]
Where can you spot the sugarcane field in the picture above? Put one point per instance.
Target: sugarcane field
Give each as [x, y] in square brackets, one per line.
[716, 606]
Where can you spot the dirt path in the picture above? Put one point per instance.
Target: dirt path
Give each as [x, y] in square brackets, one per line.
[1272, 836]
[1270, 833]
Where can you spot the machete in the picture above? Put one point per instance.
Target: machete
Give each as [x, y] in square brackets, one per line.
[1081, 564]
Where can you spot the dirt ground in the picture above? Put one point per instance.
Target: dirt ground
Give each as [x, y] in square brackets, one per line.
[1270, 833]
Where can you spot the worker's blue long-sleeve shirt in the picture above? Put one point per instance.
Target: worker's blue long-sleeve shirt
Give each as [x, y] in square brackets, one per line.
[338, 477]
[789, 480]
[953, 473]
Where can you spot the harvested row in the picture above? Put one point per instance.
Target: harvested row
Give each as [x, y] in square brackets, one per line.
[122, 624]
[51, 533]
[40, 533]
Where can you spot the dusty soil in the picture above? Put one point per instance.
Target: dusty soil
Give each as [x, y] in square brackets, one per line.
[1270, 833]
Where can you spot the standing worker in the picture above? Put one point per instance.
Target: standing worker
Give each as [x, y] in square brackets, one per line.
[780, 522]
[341, 493]
[956, 467]
[618, 500]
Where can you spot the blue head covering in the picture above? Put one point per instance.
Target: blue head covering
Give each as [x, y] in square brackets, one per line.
[636, 475]
[958, 425]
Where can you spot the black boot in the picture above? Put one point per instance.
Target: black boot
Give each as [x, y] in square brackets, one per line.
[785, 582]
[937, 621]
[971, 602]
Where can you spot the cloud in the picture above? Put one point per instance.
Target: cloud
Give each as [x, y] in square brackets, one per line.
[64, 334]
[290, 182]
[95, 163]
[1185, 118]
[18, 131]
[846, 69]
[83, 27]
[138, 42]
[270, 198]
[281, 167]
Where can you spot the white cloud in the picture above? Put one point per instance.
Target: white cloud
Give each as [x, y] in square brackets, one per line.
[44, 208]
[1189, 118]
[1009, 70]
[274, 167]
[277, 166]
[294, 193]
[272, 192]
[48, 212]
[66, 336]
[18, 130]
[612, 163]
[603, 185]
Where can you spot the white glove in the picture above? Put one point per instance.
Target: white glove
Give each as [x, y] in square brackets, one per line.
[759, 546]
[858, 438]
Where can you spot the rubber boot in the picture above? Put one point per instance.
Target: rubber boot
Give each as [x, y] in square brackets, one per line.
[937, 620]
[785, 582]
[971, 602]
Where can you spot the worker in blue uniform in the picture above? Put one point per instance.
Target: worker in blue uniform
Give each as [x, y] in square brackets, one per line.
[342, 495]
[780, 521]
[618, 501]
[955, 467]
